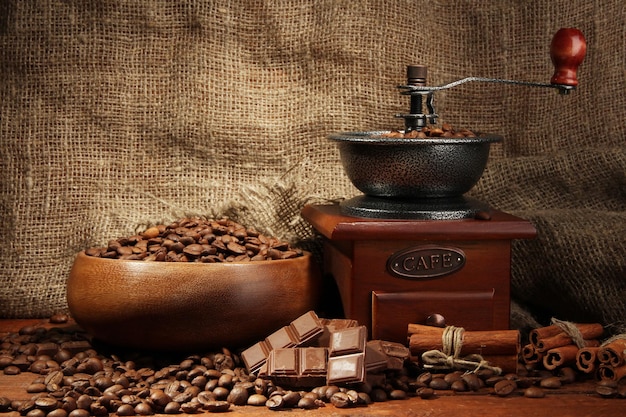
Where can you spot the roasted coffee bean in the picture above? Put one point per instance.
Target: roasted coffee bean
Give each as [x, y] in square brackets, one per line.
[202, 241]
[143, 409]
[551, 383]
[397, 394]
[504, 387]
[275, 402]
[59, 412]
[473, 382]
[439, 384]
[172, 408]
[307, 403]
[378, 395]
[36, 388]
[79, 412]
[341, 400]
[37, 412]
[190, 407]
[238, 396]
[12, 370]
[125, 410]
[458, 386]
[257, 399]
[221, 393]
[425, 393]
[46, 403]
[606, 388]
[217, 406]
[291, 399]
[534, 392]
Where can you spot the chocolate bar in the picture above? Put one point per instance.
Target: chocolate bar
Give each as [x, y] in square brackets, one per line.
[299, 332]
[346, 362]
[298, 367]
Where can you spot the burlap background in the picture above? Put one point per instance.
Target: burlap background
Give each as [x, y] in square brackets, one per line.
[118, 114]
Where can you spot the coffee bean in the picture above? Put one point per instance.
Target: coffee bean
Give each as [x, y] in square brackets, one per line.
[125, 410]
[397, 394]
[307, 403]
[425, 393]
[341, 400]
[275, 402]
[439, 383]
[606, 388]
[504, 387]
[12, 370]
[551, 383]
[79, 412]
[257, 399]
[534, 392]
[59, 412]
[37, 412]
[238, 396]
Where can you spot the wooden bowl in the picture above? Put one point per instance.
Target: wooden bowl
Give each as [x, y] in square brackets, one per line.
[189, 306]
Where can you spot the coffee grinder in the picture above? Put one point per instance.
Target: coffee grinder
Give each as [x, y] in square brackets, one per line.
[413, 248]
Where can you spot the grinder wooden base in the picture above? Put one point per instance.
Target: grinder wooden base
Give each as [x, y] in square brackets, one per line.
[390, 273]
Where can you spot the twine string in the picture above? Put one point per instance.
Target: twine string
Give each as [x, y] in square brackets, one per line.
[571, 330]
[449, 355]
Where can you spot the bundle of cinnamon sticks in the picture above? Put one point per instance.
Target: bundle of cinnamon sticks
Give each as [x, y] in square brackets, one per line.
[500, 348]
[553, 347]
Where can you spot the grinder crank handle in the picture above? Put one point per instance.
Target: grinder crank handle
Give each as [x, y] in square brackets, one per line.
[567, 52]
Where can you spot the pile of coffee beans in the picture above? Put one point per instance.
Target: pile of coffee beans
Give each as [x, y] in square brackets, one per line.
[197, 239]
[445, 131]
[77, 377]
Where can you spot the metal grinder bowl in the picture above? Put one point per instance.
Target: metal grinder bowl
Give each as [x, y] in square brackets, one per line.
[413, 169]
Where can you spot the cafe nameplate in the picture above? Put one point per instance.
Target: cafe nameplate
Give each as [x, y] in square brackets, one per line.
[425, 262]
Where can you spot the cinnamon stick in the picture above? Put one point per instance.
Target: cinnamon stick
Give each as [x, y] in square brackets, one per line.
[561, 339]
[560, 356]
[587, 359]
[530, 355]
[587, 330]
[490, 342]
[610, 373]
[612, 354]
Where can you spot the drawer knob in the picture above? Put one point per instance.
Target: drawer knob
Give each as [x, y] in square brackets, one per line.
[436, 320]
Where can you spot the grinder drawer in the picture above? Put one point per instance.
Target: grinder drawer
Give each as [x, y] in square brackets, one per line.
[393, 311]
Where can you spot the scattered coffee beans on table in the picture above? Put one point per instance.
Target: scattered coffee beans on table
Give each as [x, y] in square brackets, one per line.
[197, 239]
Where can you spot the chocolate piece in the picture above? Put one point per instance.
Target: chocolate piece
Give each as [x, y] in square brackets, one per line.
[375, 357]
[255, 356]
[306, 327]
[348, 341]
[346, 369]
[395, 354]
[333, 325]
[281, 338]
[298, 367]
[300, 331]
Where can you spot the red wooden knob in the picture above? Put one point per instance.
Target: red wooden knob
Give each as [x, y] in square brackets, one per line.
[567, 51]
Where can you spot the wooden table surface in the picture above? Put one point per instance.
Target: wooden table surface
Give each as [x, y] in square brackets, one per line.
[576, 399]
